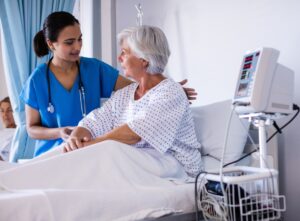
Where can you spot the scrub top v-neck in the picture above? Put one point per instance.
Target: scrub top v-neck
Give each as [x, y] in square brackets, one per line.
[98, 79]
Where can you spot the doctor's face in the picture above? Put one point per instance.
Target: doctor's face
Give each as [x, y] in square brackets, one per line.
[68, 44]
[7, 115]
[132, 65]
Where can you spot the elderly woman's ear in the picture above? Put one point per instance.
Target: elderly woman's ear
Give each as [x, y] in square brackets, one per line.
[145, 63]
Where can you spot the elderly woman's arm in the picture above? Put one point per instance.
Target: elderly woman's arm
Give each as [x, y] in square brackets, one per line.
[81, 137]
[122, 134]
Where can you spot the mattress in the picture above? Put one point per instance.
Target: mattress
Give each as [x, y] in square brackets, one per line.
[92, 184]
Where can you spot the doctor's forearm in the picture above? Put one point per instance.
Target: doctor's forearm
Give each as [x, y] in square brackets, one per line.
[43, 133]
[122, 82]
[34, 126]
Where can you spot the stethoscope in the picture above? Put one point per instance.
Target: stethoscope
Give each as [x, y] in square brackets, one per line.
[50, 107]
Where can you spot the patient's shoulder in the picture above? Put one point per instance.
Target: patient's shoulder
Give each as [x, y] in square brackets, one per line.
[125, 92]
[170, 89]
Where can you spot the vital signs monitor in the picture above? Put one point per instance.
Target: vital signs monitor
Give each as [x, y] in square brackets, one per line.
[263, 84]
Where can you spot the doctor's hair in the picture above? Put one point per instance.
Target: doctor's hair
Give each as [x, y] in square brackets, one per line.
[53, 25]
[148, 43]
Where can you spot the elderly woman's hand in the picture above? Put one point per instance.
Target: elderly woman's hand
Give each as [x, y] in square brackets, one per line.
[65, 132]
[190, 92]
[77, 139]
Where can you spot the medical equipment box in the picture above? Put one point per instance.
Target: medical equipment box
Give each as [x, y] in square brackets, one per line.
[263, 84]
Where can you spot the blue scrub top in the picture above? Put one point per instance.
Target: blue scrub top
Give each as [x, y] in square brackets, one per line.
[98, 79]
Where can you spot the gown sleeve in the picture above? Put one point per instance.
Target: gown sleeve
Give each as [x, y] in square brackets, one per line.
[100, 120]
[159, 123]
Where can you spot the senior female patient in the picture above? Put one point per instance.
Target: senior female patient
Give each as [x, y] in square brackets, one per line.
[151, 113]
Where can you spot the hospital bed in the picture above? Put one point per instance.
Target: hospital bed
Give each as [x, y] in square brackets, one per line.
[163, 201]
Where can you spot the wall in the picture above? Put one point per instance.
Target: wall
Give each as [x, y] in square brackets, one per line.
[208, 39]
[3, 88]
[96, 17]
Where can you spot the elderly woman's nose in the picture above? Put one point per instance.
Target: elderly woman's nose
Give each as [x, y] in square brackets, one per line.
[120, 58]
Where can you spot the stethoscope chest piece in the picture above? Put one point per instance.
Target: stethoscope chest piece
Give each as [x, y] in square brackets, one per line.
[50, 108]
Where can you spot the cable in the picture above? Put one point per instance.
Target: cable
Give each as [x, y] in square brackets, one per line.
[221, 172]
[196, 194]
[295, 107]
[222, 159]
[243, 157]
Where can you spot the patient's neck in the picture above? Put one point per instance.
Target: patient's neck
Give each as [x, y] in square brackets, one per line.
[146, 83]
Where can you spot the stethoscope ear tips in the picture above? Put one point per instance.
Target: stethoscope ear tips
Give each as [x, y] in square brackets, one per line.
[50, 108]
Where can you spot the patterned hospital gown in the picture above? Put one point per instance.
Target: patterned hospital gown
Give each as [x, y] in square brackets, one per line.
[161, 118]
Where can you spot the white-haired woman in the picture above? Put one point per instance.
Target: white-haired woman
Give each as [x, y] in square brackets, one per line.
[152, 113]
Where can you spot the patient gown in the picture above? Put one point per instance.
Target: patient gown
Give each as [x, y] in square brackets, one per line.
[162, 118]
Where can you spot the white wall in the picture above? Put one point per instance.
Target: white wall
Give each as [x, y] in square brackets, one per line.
[3, 88]
[208, 39]
[96, 17]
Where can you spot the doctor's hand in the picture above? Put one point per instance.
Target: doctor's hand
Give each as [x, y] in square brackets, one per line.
[65, 132]
[190, 92]
[77, 139]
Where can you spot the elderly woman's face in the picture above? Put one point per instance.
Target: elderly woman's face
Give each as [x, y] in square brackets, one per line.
[7, 115]
[132, 65]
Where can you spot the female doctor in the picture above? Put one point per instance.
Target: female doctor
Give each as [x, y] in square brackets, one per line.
[59, 93]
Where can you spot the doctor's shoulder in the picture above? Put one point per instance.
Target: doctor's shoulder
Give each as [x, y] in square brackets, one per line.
[39, 72]
[37, 80]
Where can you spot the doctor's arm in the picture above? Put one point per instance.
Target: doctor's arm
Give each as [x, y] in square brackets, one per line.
[37, 131]
[122, 82]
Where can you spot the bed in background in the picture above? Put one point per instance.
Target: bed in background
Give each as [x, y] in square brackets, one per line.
[134, 194]
[6, 136]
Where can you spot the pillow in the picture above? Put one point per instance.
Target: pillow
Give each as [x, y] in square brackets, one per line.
[211, 125]
[6, 136]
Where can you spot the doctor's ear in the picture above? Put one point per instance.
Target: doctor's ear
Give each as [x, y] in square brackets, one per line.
[50, 45]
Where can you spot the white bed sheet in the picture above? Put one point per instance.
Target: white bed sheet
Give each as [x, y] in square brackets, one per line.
[116, 182]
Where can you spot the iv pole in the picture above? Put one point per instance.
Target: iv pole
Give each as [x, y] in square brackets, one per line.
[139, 16]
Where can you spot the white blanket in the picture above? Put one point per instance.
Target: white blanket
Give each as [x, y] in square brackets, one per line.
[6, 136]
[107, 181]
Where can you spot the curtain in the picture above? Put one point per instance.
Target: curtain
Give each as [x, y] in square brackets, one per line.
[20, 21]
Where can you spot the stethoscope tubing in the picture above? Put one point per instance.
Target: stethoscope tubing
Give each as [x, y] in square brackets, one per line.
[81, 89]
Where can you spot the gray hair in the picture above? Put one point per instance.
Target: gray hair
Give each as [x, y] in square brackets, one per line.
[148, 43]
